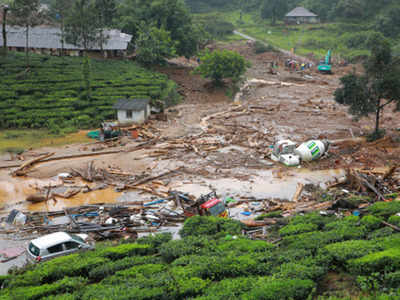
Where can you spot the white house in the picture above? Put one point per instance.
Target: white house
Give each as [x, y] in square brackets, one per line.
[132, 110]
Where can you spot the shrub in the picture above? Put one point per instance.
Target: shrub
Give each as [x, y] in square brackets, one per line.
[135, 273]
[283, 289]
[67, 296]
[245, 246]
[383, 261]
[343, 251]
[203, 226]
[112, 267]
[379, 233]
[229, 288]
[122, 292]
[47, 272]
[123, 250]
[218, 267]
[312, 218]
[186, 246]
[37, 292]
[394, 220]
[299, 271]
[292, 229]
[384, 209]
[371, 222]
[184, 284]
[260, 47]
[155, 240]
[272, 214]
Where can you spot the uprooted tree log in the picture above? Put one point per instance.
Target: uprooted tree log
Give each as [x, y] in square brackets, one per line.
[24, 168]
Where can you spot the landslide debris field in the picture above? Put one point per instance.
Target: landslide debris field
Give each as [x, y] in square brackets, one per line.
[215, 144]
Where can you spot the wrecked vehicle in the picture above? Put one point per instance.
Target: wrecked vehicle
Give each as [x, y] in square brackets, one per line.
[285, 151]
[56, 244]
[208, 205]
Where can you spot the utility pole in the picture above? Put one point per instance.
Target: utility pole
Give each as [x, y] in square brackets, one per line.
[5, 9]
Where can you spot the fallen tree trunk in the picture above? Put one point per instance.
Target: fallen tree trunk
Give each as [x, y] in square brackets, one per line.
[391, 226]
[24, 168]
[151, 178]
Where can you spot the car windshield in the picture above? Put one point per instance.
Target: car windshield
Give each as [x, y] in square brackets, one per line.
[77, 238]
[33, 249]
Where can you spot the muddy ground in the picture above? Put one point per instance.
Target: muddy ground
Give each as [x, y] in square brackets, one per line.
[223, 145]
[234, 144]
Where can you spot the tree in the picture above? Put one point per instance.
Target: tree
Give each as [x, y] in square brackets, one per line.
[273, 9]
[106, 10]
[153, 45]
[59, 10]
[374, 90]
[350, 9]
[82, 29]
[82, 26]
[389, 21]
[221, 64]
[170, 15]
[26, 13]
[4, 8]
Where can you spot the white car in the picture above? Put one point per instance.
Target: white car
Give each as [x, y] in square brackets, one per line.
[56, 244]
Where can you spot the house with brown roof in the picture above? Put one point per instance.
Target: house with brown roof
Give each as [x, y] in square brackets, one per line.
[301, 15]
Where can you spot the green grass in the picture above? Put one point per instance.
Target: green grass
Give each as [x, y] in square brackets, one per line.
[346, 40]
[52, 93]
[17, 140]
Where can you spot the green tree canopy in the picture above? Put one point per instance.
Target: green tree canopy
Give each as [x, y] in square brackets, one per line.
[274, 9]
[221, 64]
[26, 13]
[153, 45]
[83, 26]
[378, 87]
[170, 15]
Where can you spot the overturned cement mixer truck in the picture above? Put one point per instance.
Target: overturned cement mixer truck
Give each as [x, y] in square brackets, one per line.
[285, 151]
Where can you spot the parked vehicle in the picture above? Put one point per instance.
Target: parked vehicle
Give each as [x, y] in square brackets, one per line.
[56, 244]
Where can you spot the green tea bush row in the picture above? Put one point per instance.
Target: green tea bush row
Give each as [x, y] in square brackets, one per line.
[67, 284]
[54, 90]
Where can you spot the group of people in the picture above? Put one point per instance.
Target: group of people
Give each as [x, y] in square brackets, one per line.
[297, 66]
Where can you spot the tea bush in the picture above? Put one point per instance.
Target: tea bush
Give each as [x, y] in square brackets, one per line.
[283, 289]
[205, 264]
[292, 229]
[54, 92]
[47, 272]
[383, 261]
[206, 226]
[123, 250]
[343, 251]
[384, 209]
[37, 292]
[112, 267]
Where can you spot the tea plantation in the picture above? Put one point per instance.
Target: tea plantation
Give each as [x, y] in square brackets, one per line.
[318, 257]
[52, 91]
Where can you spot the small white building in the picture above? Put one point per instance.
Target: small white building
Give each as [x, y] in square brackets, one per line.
[132, 110]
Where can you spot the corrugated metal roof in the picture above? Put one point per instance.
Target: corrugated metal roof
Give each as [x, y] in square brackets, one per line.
[50, 38]
[131, 104]
[300, 12]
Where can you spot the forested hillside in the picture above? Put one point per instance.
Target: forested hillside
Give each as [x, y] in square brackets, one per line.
[52, 91]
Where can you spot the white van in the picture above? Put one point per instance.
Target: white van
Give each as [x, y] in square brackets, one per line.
[56, 244]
